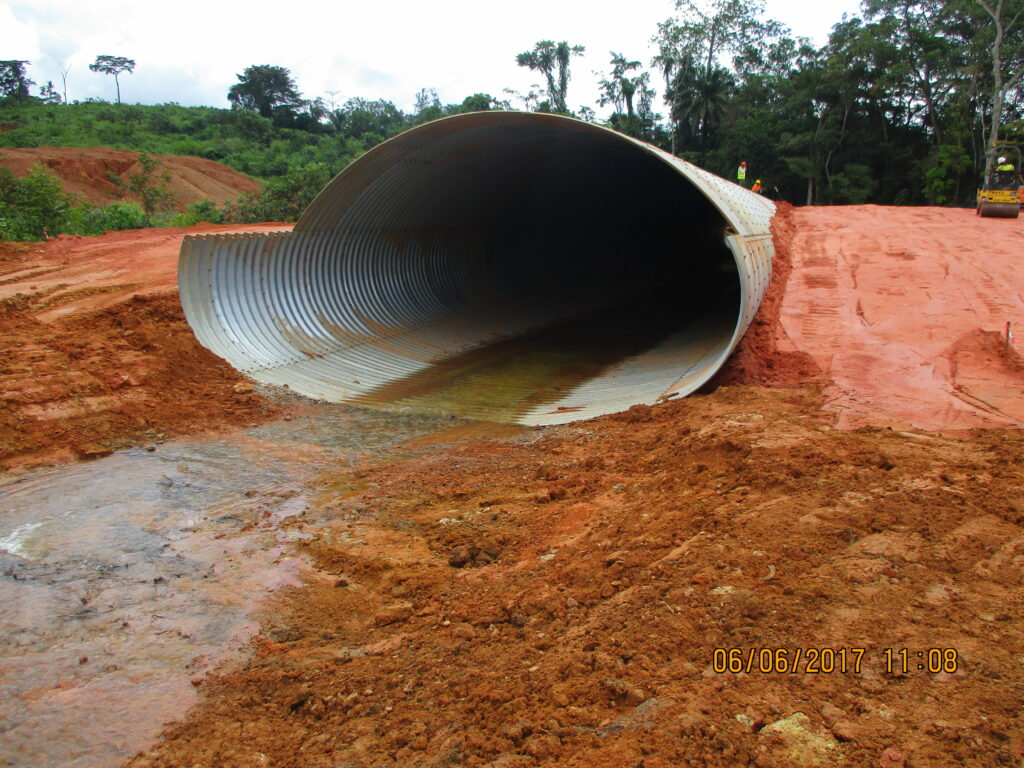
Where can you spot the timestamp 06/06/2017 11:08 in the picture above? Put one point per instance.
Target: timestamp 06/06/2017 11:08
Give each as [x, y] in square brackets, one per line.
[825, 661]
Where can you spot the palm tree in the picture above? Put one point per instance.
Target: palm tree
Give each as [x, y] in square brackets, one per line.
[703, 100]
[552, 59]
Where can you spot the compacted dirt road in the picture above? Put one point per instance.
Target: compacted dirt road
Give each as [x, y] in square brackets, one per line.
[816, 562]
[905, 311]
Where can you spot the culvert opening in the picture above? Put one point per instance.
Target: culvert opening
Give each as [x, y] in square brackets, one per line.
[505, 266]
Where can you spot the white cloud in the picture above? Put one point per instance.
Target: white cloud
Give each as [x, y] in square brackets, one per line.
[19, 39]
[191, 51]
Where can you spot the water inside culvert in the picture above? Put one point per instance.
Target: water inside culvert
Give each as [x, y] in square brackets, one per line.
[505, 380]
[124, 579]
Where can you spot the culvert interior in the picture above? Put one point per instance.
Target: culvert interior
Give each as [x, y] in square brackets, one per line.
[508, 266]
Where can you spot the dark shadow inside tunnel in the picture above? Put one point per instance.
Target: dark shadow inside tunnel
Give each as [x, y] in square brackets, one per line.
[606, 221]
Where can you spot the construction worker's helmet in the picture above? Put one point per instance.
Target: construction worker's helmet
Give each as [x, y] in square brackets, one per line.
[1002, 160]
[758, 181]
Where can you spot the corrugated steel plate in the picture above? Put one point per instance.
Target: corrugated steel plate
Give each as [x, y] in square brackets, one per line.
[387, 272]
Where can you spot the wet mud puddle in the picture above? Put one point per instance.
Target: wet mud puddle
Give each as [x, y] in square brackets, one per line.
[123, 581]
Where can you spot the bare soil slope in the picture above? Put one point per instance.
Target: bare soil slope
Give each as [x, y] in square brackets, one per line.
[95, 352]
[85, 172]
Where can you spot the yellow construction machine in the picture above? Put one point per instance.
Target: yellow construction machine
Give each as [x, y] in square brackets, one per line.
[1001, 193]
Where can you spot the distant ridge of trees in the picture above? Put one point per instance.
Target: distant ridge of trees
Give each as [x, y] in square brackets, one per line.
[900, 106]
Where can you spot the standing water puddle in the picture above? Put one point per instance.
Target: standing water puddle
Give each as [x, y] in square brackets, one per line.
[124, 579]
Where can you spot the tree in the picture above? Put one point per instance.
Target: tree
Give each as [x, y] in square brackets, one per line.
[64, 79]
[1005, 18]
[333, 97]
[942, 177]
[927, 63]
[530, 100]
[151, 189]
[358, 117]
[552, 60]
[427, 106]
[267, 89]
[706, 102]
[48, 94]
[618, 89]
[727, 26]
[481, 102]
[313, 117]
[113, 65]
[701, 34]
[630, 97]
[14, 83]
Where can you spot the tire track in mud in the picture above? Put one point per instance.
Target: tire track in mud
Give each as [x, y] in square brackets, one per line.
[878, 298]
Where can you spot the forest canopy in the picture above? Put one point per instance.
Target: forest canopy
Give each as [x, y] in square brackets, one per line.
[899, 106]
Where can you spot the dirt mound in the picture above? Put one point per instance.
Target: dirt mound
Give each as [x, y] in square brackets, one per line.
[86, 173]
[766, 356]
[988, 372]
[103, 380]
[570, 600]
[95, 352]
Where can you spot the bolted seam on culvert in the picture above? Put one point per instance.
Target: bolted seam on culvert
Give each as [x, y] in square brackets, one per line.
[478, 228]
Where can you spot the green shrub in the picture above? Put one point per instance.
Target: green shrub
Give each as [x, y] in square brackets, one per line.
[283, 198]
[121, 214]
[33, 207]
[187, 147]
[947, 167]
[198, 213]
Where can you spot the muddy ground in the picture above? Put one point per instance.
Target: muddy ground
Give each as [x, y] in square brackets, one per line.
[558, 599]
[567, 596]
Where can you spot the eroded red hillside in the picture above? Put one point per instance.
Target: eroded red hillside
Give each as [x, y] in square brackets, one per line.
[86, 173]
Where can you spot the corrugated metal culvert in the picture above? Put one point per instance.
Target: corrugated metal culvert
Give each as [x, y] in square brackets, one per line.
[500, 265]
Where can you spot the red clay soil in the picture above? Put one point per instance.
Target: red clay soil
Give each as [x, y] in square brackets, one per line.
[559, 600]
[564, 597]
[904, 310]
[85, 172]
[95, 352]
[765, 355]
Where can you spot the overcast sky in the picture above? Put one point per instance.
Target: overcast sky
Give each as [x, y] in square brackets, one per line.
[190, 51]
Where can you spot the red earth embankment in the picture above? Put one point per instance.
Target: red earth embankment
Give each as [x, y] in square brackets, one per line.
[86, 173]
[897, 312]
[95, 352]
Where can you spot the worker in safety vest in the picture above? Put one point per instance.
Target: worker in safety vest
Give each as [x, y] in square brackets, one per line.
[1004, 165]
[741, 173]
[756, 187]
